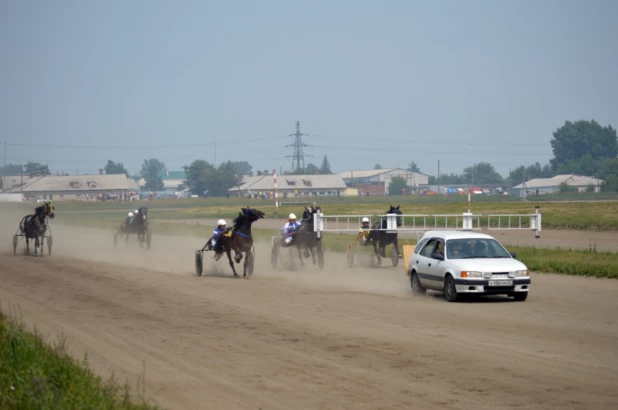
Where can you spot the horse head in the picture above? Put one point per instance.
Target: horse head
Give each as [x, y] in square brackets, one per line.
[45, 210]
[395, 210]
[252, 214]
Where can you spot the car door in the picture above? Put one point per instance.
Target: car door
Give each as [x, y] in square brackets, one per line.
[425, 265]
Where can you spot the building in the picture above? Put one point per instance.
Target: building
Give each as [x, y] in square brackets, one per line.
[10, 183]
[290, 185]
[172, 180]
[74, 186]
[376, 181]
[541, 186]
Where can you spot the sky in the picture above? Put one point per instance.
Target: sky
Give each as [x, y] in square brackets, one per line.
[441, 83]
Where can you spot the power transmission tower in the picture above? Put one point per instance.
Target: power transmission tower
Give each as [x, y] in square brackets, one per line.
[299, 157]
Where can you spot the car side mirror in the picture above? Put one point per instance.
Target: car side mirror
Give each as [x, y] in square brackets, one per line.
[513, 255]
[438, 256]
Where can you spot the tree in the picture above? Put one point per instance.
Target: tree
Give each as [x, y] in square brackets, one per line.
[609, 175]
[447, 179]
[242, 167]
[11, 169]
[199, 173]
[113, 168]
[413, 167]
[396, 185]
[312, 169]
[377, 166]
[325, 168]
[151, 171]
[36, 168]
[482, 173]
[581, 147]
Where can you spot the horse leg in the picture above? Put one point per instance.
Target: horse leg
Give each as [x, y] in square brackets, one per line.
[27, 245]
[228, 251]
[313, 251]
[42, 243]
[244, 273]
[377, 252]
[300, 255]
[36, 245]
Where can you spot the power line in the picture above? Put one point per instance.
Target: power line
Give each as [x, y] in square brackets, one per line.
[298, 145]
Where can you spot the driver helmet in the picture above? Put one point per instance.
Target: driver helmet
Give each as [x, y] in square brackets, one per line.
[221, 222]
[136, 211]
[365, 220]
[292, 217]
[131, 214]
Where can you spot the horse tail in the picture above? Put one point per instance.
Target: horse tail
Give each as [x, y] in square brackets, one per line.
[22, 224]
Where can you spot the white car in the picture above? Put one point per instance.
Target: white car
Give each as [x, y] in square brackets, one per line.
[459, 262]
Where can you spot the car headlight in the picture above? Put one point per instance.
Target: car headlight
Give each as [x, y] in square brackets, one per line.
[468, 274]
[522, 273]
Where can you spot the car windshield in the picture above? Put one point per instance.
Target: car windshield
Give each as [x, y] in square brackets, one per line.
[474, 248]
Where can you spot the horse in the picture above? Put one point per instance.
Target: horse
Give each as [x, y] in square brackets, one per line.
[35, 226]
[137, 224]
[382, 238]
[307, 239]
[240, 240]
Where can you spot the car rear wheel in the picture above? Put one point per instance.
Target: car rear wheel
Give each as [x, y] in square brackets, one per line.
[520, 296]
[415, 283]
[450, 291]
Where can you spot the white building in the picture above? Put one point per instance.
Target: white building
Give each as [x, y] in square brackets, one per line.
[382, 177]
[290, 185]
[542, 186]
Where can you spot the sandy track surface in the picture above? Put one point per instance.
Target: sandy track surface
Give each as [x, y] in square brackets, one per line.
[334, 339]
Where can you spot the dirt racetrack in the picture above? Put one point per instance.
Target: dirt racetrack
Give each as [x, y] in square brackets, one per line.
[308, 339]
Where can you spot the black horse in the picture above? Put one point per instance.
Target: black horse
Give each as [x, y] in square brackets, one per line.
[35, 226]
[381, 238]
[138, 225]
[307, 239]
[240, 240]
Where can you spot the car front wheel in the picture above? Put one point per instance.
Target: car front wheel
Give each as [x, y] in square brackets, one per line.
[450, 291]
[520, 296]
[415, 282]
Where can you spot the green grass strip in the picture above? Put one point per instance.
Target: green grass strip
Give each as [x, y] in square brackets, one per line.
[35, 375]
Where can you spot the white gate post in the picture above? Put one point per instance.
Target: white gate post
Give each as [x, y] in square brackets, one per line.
[391, 223]
[467, 221]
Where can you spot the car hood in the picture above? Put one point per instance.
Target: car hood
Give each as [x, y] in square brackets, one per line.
[489, 265]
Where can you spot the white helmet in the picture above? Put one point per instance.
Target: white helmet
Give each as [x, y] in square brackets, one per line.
[221, 222]
[136, 211]
[131, 214]
[292, 216]
[365, 219]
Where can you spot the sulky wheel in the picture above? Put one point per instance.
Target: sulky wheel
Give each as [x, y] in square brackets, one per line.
[320, 250]
[274, 256]
[199, 266]
[395, 256]
[50, 242]
[350, 257]
[250, 261]
[15, 244]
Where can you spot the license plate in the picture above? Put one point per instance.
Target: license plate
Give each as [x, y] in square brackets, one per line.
[500, 283]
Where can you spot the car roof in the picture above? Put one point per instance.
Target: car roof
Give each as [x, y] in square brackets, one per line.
[446, 235]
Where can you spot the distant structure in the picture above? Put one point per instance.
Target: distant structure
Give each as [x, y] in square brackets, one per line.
[298, 158]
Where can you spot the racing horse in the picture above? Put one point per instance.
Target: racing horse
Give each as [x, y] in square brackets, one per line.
[307, 239]
[241, 240]
[137, 224]
[35, 226]
[381, 238]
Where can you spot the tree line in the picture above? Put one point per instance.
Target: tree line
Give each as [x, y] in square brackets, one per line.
[580, 147]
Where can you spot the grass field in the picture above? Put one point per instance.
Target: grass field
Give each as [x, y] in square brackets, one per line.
[35, 375]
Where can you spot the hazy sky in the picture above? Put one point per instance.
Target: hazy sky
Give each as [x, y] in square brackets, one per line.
[371, 82]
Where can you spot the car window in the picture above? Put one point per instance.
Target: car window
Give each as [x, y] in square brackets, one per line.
[428, 249]
[420, 245]
[475, 248]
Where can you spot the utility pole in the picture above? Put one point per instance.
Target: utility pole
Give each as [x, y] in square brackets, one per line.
[438, 177]
[298, 157]
[4, 168]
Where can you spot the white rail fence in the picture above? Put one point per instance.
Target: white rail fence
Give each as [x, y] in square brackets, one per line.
[419, 223]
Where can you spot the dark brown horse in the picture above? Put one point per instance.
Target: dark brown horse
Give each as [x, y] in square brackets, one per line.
[35, 226]
[381, 238]
[240, 240]
[307, 239]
